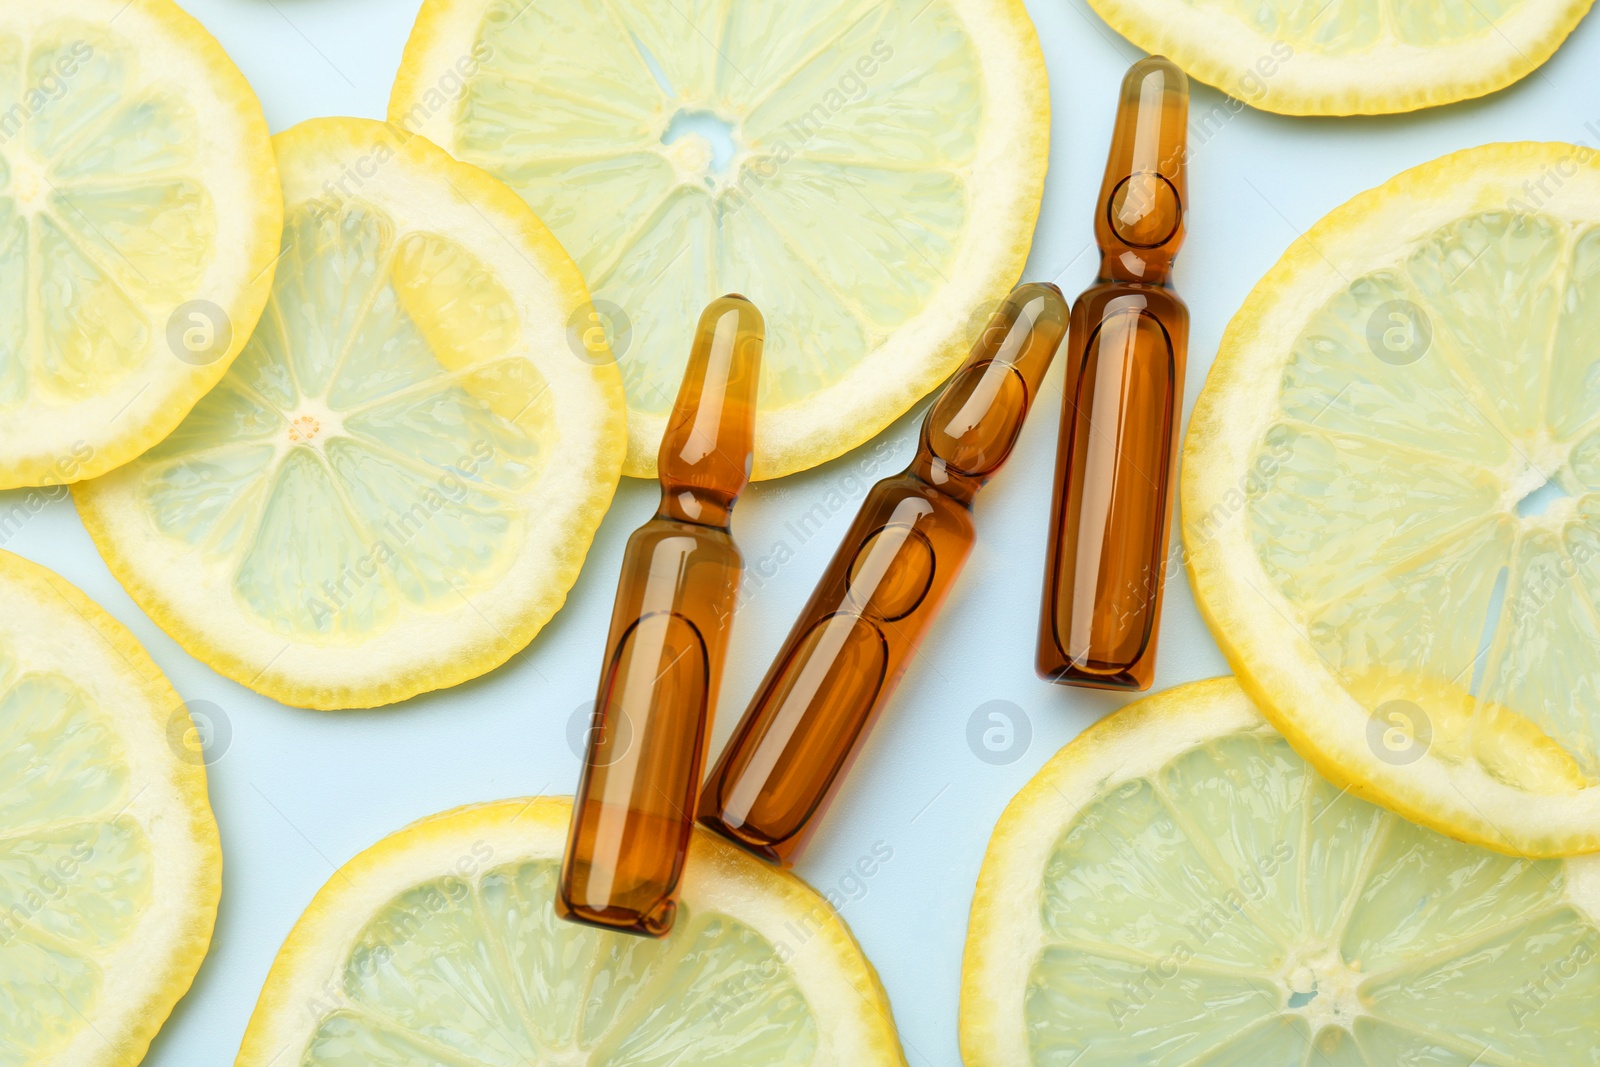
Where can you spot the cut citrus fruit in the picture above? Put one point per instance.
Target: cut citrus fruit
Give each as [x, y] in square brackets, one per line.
[867, 171]
[110, 868]
[440, 944]
[1349, 57]
[139, 219]
[396, 484]
[1391, 496]
[1176, 887]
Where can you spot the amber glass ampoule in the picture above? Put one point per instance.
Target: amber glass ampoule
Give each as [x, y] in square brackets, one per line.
[634, 810]
[1118, 453]
[888, 579]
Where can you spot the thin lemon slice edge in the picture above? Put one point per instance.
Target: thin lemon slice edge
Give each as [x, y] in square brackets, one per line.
[443, 937]
[112, 860]
[1177, 886]
[1348, 57]
[398, 482]
[886, 171]
[1356, 492]
[138, 181]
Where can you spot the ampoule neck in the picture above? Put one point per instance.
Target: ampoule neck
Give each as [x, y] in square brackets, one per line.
[1139, 221]
[696, 505]
[708, 447]
[944, 479]
[1127, 265]
[970, 430]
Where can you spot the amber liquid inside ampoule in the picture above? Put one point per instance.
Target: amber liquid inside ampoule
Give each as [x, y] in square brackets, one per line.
[892, 572]
[634, 810]
[1117, 457]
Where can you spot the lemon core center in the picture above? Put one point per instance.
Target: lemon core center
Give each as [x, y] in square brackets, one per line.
[1321, 986]
[29, 186]
[702, 147]
[312, 424]
[1548, 500]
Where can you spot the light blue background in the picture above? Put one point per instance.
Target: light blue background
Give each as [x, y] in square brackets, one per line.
[298, 793]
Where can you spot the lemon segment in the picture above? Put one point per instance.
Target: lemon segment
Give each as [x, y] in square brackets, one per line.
[1392, 469]
[867, 171]
[110, 868]
[1349, 57]
[395, 485]
[139, 217]
[1177, 886]
[440, 944]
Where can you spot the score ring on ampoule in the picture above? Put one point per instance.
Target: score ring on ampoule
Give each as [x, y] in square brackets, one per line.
[1145, 210]
[891, 574]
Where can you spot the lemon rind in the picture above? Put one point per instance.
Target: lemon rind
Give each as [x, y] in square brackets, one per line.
[1242, 607]
[1426, 77]
[109, 512]
[935, 341]
[187, 908]
[1006, 927]
[148, 424]
[718, 876]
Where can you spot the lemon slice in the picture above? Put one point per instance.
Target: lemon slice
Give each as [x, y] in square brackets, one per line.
[139, 220]
[1176, 887]
[1348, 57]
[1391, 496]
[110, 868]
[394, 487]
[440, 945]
[867, 171]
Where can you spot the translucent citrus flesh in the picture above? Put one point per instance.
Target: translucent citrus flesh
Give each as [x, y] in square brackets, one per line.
[90, 961]
[1402, 478]
[619, 999]
[1337, 925]
[68, 784]
[404, 460]
[469, 965]
[98, 216]
[661, 247]
[850, 174]
[1349, 26]
[110, 220]
[1224, 904]
[1416, 472]
[1338, 57]
[340, 427]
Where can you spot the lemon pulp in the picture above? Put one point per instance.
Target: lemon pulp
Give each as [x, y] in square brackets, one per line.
[109, 866]
[1419, 467]
[1407, 487]
[343, 471]
[137, 191]
[835, 162]
[1340, 57]
[98, 214]
[1196, 894]
[405, 460]
[441, 945]
[74, 871]
[572, 984]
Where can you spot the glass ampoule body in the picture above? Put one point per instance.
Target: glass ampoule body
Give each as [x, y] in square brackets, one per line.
[1123, 397]
[634, 811]
[888, 579]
